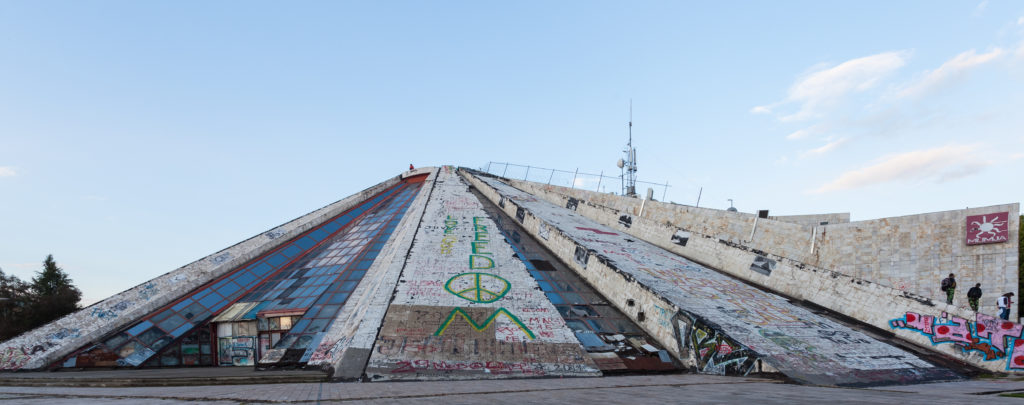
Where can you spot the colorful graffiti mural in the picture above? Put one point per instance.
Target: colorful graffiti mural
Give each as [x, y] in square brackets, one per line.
[995, 338]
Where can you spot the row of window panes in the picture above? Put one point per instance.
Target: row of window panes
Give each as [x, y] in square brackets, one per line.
[143, 339]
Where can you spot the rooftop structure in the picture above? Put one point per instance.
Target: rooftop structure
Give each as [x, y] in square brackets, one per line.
[447, 273]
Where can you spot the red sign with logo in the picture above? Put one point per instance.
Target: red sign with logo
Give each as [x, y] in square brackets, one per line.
[988, 228]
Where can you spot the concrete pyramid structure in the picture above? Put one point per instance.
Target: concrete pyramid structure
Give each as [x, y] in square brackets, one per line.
[446, 273]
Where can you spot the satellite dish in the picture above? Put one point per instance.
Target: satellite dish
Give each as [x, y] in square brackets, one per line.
[620, 163]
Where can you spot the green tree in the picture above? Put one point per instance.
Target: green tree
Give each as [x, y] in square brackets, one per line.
[15, 299]
[53, 294]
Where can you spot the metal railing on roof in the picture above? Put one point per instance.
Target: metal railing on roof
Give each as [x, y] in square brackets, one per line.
[572, 179]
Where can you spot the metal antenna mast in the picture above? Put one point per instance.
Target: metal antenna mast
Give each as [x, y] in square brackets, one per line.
[628, 165]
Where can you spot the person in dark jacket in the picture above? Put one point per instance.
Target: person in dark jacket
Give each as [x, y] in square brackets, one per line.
[949, 287]
[973, 296]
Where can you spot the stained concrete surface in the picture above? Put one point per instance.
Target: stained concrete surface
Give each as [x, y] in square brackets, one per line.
[805, 346]
[466, 307]
[667, 389]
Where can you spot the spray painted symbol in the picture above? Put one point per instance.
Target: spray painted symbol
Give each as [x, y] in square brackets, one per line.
[478, 287]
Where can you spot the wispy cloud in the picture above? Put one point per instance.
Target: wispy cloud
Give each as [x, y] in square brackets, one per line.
[950, 71]
[823, 87]
[981, 8]
[937, 164]
[6, 171]
[825, 149]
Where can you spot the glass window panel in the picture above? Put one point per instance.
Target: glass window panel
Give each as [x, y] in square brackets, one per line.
[142, 326]
[150, 335]
[171, 323]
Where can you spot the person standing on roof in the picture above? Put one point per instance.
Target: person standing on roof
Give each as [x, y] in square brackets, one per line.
[410, 167]
[973, 296]
[1004, 303]
[949, 286]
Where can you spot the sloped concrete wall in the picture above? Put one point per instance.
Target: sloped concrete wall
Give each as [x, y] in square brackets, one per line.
[911, 253]
[42, 346]
[722, 240]
[686, 306]
[347, 344]
[814, 219]
[466, 307]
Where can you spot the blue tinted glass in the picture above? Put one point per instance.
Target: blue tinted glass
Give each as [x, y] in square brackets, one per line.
[291, 251]
[140, 327]
[181, 330]
[348, 286]
[208, 302]
[356, 275]
[171, 323]
[319, 234]
[573, 298]
[181, 305]
[338, 298]
[544, 285]
[308, 242]
[262, 269]
[555, 298]
[277, 260]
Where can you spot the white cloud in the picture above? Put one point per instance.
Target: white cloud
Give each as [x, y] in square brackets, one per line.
[1020, 21]
[826, 86]
[938, 164]
[981, 7]
[951, 70]
[1016, 156]
[824, 149]
[761, 109]
[6, 171]
[800, 134]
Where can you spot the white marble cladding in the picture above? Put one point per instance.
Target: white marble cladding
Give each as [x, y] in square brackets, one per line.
[799, 343]
[721, 239]
[459, 273]
[44, 345]
[357, 323]
[910, 253]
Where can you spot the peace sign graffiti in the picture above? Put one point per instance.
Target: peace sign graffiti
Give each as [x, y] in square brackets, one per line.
[478, 287]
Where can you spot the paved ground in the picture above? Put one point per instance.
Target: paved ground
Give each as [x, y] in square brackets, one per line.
[660, 389]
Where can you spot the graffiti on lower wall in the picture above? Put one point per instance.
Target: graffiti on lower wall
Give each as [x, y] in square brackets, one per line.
[995, 338]
[714, 352]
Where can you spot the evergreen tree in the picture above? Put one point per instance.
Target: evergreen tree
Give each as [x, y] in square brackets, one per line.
[54, 295]
[15, 299]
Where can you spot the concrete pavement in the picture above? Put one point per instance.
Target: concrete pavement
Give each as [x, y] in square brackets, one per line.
[674, 388]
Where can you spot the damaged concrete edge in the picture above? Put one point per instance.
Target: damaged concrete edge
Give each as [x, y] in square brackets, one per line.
[38, 348]
[847, 295]
[348, 343]
[600, 271]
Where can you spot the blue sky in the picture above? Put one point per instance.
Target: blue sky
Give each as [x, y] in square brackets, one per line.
[136, 137]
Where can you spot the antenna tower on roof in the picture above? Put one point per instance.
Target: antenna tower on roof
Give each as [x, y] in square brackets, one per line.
[628, 165]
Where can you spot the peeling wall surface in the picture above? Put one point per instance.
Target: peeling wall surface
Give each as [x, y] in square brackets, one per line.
[775, 255]
[40, 347]
[466, 307]
[346, 345]
[699, 302]
[911, 253]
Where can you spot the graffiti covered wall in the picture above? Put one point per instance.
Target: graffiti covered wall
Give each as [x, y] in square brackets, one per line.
[733, 244]
[465, 307]
[720, 315]
[40, 347]
[347, 344]
[985, 339]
